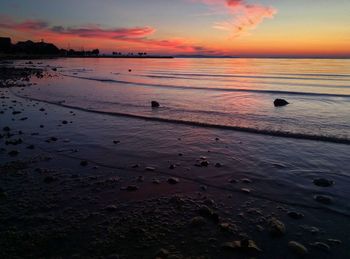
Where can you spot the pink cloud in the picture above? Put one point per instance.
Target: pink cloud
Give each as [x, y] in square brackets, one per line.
[98, 32]
[245, 17]
[137, 35]
[8, 23]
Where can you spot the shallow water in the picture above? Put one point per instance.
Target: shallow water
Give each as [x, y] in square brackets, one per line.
[233, 93]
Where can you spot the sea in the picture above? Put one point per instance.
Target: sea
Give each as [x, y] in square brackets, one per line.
[220, 108]
[236, 94]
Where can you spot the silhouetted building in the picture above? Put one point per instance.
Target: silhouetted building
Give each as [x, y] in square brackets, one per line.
[5, 45]
[36, 48]
[29, 48]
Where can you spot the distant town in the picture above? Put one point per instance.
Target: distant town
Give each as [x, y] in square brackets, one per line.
[41, 49]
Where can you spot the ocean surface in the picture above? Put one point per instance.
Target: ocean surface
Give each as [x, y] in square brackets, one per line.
[228, 93]
[203, 100]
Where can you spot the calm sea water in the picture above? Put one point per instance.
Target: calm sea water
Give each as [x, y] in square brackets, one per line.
[232, 93]
[235, 94]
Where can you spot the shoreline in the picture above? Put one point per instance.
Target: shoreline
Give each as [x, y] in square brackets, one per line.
[111, 187]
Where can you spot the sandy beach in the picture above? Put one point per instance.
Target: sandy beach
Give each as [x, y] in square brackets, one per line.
[79, 184]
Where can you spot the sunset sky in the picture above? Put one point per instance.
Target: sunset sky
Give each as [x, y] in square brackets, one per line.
[207, 27]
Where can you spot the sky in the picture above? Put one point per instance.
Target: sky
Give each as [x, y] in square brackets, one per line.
[256, 28]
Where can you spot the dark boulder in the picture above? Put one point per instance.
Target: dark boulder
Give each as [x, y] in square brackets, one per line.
[155, 104]
[322, 182]
[280, 102]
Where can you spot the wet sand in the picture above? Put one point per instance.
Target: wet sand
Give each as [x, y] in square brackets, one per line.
[85, 185]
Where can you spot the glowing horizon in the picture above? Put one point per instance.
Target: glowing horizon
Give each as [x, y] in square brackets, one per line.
[191, 27]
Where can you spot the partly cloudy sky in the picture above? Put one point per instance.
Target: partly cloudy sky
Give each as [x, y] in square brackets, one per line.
[208, 27]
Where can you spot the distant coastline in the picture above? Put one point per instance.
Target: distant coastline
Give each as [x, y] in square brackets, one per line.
[43, 50]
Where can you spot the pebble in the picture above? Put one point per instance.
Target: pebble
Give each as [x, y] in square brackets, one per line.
[49, 179]
[151, 169]
[218, 165]
[30, 147]
[172, 166]
[131, 188]
[322, 246]
[246, 180]
[156, 181]
[245, 245]
[204, 163]
[161, 253]
[197, 221]
[227, 227]
[111, 208]
[245, 190]
[232, 181]
[334, 241]
[13, 153]
[276, 227]
[297, 248]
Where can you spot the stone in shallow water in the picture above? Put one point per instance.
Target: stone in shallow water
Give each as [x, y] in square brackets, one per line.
[280, 102]
[218, 165]
[155, 104]
[84, 163]
[323, 199]
[295, 215]
[173, 180]
[297, 248]
[322, 182]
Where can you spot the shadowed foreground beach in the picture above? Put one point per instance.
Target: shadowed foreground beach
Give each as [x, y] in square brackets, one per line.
[78, 184]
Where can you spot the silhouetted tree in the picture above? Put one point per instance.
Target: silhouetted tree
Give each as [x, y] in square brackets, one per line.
[95, 52]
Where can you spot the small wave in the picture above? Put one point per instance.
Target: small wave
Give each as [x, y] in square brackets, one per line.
[331, 139]
[255, 82]
[285, 77]
[317, 75]
[106, 80]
